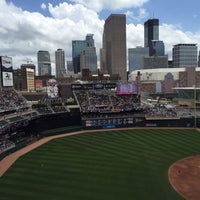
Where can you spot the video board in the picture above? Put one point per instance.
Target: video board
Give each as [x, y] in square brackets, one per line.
[106, 122]
[52, 88]
[6, 71]
[95, 86]
[126, 88]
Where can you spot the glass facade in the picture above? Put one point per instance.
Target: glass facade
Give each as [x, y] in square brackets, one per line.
[44, 63]
[77, 47]
[135, 57]
[151, 31]
[185, 55]
[156, 48]
[88, 59]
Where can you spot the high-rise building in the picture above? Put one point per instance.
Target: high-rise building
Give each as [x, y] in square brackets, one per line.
[198, 59]
[70, 66]
[151, 31]
[30, 66]
[113, 53]
[89, 40]
[155, 62]
[88, 59]
[184, 55]
[156, 48]
[24, 79]
[135, 57]
[77, 47]
[156, 57]
[44, 63]
[60, 63]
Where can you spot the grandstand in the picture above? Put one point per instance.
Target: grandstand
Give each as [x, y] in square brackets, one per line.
[11, 101]
[99, 105]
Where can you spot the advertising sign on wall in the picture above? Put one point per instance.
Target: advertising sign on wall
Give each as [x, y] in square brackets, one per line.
[6, 69]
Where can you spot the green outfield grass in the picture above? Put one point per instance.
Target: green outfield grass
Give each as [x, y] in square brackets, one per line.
[113, 165]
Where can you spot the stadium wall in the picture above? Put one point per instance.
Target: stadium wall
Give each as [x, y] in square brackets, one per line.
[52, 124]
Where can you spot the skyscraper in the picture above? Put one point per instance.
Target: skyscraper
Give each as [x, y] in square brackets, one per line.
[156, 48]
[88, 59]
[60, 63]
[113, 53]
[77, 47]
[184, 55]
[135, 56]
[151, 31]
[44, 63]
[89, 40]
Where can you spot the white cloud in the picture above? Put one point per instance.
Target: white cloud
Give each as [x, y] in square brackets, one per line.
[137, 16]
[172, 35]
[99, 5]
[21, 36]
[43, 6]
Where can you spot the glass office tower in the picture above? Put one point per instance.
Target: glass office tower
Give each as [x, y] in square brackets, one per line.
[44, 63]
[184, 55]
[151, 31]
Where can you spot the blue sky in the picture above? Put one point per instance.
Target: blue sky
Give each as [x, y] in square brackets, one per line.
[32, 25]
[185, 14]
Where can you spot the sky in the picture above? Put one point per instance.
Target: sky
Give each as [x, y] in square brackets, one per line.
[28, 26]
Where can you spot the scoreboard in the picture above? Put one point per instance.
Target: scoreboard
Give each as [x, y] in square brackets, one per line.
[95, 86]
[109, 122]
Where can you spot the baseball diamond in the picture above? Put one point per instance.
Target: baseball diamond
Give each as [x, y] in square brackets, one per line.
[112, 164]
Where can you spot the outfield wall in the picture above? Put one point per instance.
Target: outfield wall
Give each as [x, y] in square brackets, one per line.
[54, 124]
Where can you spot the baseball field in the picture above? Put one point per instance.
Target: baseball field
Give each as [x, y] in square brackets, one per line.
[110, 165]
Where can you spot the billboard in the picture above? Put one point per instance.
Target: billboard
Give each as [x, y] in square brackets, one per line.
[7, 71]
[126, 88]
[91, 86]
[52, 88]
[109, 122]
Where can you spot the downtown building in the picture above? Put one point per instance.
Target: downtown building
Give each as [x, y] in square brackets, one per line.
[60, 63]
[152, 55]
[113, 52]
[185, 55]
[136, 56]
[88, 59]
[151, 31]
[24, 79]
[84, 48]
[156, 58]
[44, 63]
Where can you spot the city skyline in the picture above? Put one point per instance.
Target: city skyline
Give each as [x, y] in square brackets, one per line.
[31, 26]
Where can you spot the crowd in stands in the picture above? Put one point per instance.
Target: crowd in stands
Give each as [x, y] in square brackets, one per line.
[161, 111]
[105, 100]
[95, 102]
[6, 145]
[10, 100]
[124, 102]
[100, 103]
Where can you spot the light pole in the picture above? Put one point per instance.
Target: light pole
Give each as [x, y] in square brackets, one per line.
[195, 96]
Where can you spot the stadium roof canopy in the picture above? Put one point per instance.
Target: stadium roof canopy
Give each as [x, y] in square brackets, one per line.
[157, 74]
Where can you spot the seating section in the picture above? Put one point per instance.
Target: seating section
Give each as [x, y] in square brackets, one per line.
[10, 101]
[98, 100]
